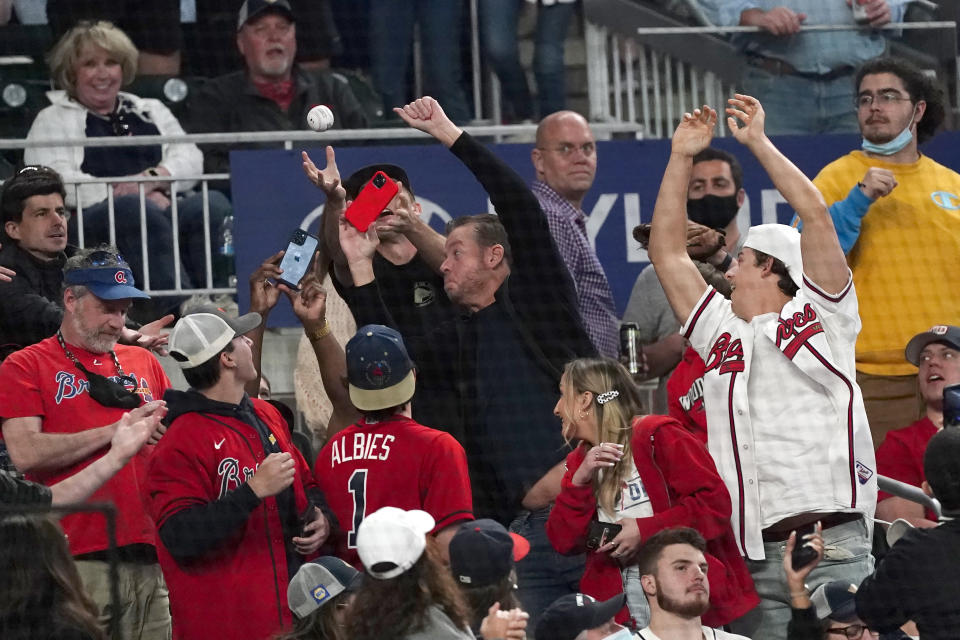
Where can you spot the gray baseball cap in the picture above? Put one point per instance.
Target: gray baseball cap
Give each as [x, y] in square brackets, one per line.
[945, 333]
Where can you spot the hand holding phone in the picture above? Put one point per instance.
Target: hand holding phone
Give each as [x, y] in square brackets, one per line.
[297, 258]
[803, 553]
[309, 515]
[600, 533]
[371, 201]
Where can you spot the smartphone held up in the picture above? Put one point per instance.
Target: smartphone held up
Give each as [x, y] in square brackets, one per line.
[297, 258]
[371, 201]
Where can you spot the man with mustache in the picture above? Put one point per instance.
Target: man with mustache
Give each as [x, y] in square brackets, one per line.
[897, 213]
[62, 400]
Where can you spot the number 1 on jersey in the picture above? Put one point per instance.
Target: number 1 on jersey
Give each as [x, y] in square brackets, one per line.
[357, 485]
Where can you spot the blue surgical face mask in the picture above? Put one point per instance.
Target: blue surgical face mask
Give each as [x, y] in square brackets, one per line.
[622, 634]
[891, 147]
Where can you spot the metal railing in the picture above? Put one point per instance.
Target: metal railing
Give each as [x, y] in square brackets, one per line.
[288, 138]
[652, 74]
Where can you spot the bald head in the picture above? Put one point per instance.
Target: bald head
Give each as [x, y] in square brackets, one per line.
[565, 156]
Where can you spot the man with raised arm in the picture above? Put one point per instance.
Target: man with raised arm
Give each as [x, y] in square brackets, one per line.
[785, 417]
[503, 355]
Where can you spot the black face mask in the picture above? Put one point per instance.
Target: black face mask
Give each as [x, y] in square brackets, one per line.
[711, 211]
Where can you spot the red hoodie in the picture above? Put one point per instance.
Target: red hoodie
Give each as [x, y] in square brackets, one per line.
[685, 490]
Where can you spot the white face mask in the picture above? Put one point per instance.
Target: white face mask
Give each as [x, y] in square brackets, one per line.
[622, 634]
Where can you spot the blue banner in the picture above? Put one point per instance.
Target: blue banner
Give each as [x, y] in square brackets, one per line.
[272, 197]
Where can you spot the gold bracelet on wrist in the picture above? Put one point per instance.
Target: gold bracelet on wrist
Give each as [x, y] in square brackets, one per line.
[320, 333]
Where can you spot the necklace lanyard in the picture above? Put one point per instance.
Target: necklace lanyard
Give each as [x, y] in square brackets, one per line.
[73, 358]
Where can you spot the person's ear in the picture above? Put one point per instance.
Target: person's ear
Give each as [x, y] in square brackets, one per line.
[494, 256]
[536, 157]
[240, 44]
[927, 489]
[13, 229]
[226, 360]
[767, 267]
[741, 197]
[417, 209]
[649, 584]
[919, 109]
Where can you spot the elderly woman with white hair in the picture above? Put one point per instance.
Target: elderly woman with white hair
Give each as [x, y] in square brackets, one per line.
[89, 64]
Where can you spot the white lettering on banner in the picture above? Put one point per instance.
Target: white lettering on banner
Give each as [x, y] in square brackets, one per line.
[598, 216]
[770, 198]
[365, 446]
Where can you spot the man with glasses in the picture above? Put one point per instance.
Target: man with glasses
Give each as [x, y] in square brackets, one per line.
[565, 160]
[897, 213]
[62, 401]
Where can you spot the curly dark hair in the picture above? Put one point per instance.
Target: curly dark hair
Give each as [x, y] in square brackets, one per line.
[918, 85]
[41, 594]
[395, 607]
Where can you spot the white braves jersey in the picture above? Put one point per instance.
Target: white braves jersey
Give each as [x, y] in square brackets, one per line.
[785, 418]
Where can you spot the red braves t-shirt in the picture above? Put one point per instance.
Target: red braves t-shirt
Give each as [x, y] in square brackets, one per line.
[41, 381]
[685, 394]
[900, 456]
[395, 463]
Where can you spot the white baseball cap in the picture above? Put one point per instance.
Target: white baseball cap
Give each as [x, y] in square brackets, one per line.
[200, 336]
[391, 540]
[780, 241]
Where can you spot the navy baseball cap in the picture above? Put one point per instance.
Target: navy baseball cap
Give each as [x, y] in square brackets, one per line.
[572, 614]
[252, 8]
[359, 178]
[948, 334]
[108, 281]
[482, 552]
[379, 371]
[318, 582]
[836, 600]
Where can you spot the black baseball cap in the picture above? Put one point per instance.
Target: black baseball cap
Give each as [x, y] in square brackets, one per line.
[253, 8]
[572, 614]
[482, 552]
[359, 178]
[945, 333]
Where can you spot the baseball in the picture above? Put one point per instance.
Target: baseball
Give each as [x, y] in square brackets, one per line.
[320, 118]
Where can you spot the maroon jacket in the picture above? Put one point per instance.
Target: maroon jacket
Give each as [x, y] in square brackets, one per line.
[685, 491]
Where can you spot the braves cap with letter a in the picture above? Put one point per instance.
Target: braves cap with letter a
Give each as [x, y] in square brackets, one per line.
[482, 552]
[318, 582]
[359, 178]
[200, 336]
[252, 8]
[835, 600]
[781, 242]
[110, 281]
[946, 333]
[574, 613]
[379, 371]
[391, 540]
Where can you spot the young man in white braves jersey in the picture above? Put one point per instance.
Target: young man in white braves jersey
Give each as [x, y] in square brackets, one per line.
[785, 418]
[673, 573]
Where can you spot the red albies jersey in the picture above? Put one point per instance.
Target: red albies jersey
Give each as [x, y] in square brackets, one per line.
[395, 463]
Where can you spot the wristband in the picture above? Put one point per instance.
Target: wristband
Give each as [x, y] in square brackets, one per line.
[320, 333]
[724, 266]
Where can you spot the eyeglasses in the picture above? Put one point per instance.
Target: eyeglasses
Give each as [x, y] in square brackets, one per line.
[120, 128]
[567, 149]
[852, 631]
[105, 259]
[884, 98]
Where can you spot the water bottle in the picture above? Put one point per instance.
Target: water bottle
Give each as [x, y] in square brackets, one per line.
[225, 254]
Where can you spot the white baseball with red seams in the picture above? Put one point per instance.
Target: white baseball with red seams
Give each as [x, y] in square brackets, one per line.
[320, 118]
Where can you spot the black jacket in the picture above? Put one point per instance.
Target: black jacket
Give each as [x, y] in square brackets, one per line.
[15, 490]
[232, 103]
[30, 305]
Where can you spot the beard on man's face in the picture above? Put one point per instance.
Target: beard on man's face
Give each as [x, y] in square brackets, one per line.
[692, 607]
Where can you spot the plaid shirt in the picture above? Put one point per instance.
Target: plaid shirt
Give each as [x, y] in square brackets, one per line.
[568, 226]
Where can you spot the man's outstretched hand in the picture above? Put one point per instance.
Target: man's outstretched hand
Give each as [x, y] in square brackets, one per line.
[694, 132]
[427, 115]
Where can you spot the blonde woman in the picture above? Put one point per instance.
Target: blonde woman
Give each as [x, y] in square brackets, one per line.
[643, 474]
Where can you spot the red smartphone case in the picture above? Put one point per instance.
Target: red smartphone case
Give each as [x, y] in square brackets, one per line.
[371, 201]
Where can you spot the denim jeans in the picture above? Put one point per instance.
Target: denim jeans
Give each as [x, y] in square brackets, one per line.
[126, 211]
[543, 575]
[798, 106]
[498, 34]
[846, 557]
[637, 602]
[391, 45]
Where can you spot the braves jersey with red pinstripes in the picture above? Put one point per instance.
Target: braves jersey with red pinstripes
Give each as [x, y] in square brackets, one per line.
[41, 381]
[394, 463]
[785, 418]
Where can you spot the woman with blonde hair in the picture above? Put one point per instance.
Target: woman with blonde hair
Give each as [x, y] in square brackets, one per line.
[89, 65]
[629, 476]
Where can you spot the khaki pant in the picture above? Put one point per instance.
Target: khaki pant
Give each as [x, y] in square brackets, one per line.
[891, 402]
[144, 606]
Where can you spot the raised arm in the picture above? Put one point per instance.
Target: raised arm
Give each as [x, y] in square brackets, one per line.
[328, 181]
[823, 260]
[679, 276]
